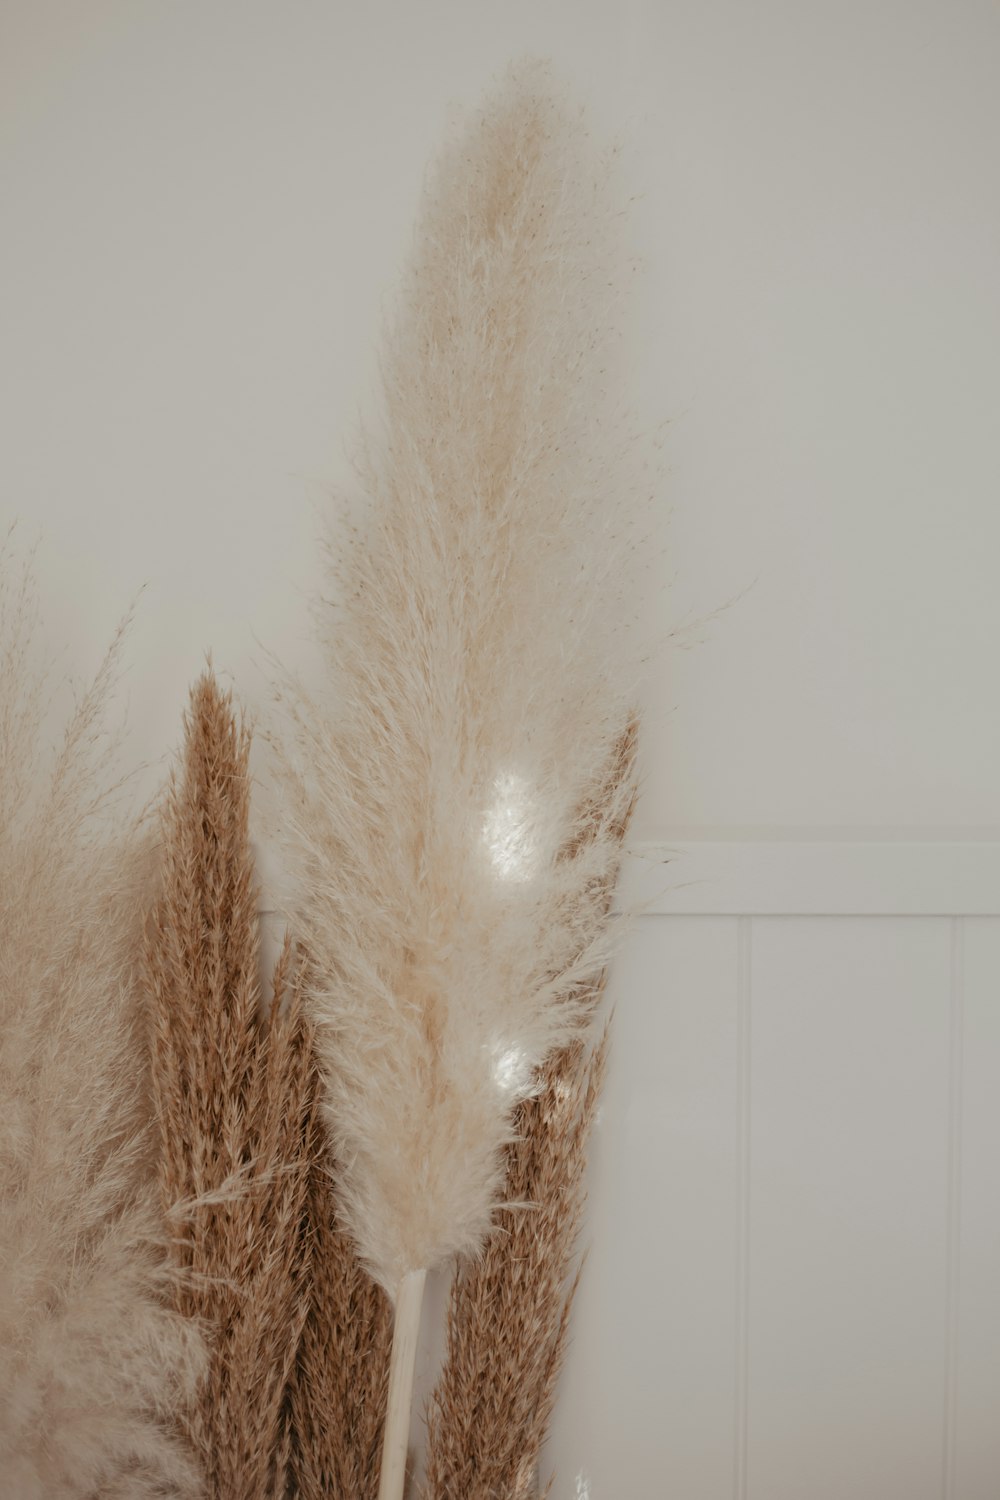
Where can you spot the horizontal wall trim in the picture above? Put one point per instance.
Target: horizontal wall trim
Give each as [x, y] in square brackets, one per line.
[801, 877]
[793, 877]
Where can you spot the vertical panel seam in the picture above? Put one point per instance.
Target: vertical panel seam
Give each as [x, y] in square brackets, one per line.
[744, 1021]
[954, 1209]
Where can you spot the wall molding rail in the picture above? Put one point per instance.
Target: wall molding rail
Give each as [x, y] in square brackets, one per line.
[813, 877]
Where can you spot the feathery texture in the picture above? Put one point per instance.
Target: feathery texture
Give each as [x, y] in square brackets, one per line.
[509, 1312]
[338, 1392]
[479, 679]
[508, 1317]
[232, 1099]
[92, 1360]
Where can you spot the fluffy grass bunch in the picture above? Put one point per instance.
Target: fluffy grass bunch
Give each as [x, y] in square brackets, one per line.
[452, 830]
[233, 1097]
[93, 1364]
[479, 679]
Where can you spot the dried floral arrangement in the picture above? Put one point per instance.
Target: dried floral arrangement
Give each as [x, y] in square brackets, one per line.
[219, 1210]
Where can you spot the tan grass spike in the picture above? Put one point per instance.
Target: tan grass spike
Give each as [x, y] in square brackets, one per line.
[233, 1100]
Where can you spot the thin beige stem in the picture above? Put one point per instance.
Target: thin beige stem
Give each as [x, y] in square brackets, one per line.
[405, 1333]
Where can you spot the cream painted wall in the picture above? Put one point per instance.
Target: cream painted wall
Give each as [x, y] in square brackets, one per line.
[205, 203]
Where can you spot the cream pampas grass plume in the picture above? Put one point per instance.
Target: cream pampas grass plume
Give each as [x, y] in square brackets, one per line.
[232, 1101]
[479, 682]
[92, 1361]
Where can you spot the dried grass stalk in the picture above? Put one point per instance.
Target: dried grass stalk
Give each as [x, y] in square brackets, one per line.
[92, 1360]
[232, 1099]
[509, 1310]
[338, 1392]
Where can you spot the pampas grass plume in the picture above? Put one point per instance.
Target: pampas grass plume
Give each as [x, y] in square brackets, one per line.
[232, 1100]
[451, 873]
[337, 1398]
[478, 682]
[93, 1364]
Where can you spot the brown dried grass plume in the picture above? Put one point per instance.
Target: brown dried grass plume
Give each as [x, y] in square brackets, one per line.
[92, 1360]
[338, 1392]
[509, 1310]
[232, 1099]
[508, 1317]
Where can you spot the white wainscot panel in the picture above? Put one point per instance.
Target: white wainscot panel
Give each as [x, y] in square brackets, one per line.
[794, 1279]
[974, 1467]
[646, 1404]
[848, 1195]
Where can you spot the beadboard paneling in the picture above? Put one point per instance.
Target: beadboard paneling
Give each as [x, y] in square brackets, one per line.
[975, 1358]
[793, 1285]
[848, 1194]
[649, 1382]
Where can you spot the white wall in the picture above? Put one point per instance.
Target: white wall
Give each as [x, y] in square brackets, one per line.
[205, 203]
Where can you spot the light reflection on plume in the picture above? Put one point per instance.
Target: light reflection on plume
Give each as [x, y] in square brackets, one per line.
[507, 828]
[510, 1070]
